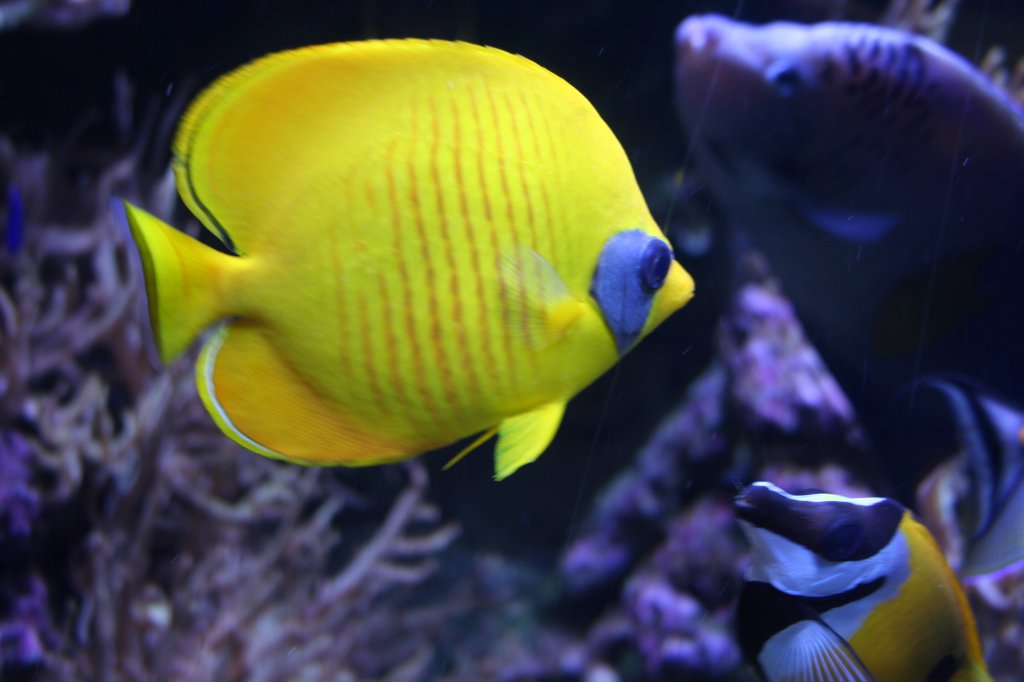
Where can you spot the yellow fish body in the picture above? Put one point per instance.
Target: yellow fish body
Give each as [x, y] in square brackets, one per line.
[429, 240]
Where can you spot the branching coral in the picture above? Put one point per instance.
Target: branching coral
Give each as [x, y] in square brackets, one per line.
[181, 556]
[996, 65]
[932, 18]
[249, 593]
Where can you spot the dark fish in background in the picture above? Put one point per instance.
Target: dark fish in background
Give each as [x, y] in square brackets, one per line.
[984, 484]
[844, 588]
[14, 229]
[881, 175]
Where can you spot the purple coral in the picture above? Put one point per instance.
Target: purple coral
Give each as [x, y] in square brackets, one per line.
[19, 503]
[779, 381]
[680, 599]
[24, 625]
[630, 511]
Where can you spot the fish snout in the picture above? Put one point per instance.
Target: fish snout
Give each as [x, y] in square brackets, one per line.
[698, 39]
[756, 504]
[637, 284]
[698, 36]
[676, 292]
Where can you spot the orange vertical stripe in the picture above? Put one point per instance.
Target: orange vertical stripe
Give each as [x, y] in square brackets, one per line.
[503, 293]
[444, 362]
[474, 257]
[543, 159]
[502, 165]
[558, 224]
[501, 161]
[480, 157]
[523, 184]
[364, 321]
[377, 355]
[344, 347]
[430, 290]
[397, 379]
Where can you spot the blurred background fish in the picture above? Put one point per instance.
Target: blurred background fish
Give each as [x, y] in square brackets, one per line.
[879, 172]
[426, 240]
[976, 499]
[844, 588]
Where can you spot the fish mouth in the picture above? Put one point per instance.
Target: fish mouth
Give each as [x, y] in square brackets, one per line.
[698, 35]
[750, 505]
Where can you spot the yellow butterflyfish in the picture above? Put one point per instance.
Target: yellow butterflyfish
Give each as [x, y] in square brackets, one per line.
[426, 240]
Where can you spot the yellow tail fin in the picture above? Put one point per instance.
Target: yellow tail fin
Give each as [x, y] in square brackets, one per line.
[185, 282]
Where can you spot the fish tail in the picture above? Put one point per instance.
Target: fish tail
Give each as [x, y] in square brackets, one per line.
[186, 282]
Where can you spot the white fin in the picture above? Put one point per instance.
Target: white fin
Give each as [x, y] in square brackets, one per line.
[523, 438]
[995, 468]
[1002, 543]
[542, 309]
[810, 651]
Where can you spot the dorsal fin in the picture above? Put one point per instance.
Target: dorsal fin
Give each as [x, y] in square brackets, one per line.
[259, 147]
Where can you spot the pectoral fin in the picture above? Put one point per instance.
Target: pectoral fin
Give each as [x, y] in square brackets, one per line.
[810, 650]
[522, 439]
[541, 307]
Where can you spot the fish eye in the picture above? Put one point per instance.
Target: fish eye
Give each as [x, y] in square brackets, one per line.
[785, 79]
[654, 264]
[842, 540]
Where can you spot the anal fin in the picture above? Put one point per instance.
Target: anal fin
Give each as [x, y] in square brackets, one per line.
[524, 437]
[265, 404]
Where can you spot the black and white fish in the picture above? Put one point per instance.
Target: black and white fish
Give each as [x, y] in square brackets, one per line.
[975, 499]
[849, 589]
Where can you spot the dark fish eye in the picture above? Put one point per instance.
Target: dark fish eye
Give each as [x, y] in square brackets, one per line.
[654, 264]
[842, 540]
[785, 78]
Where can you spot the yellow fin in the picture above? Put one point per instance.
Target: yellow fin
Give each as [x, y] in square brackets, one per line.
[542, 307]
[261, 402]
[477, 442]
[523, 438]
[185, 281]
